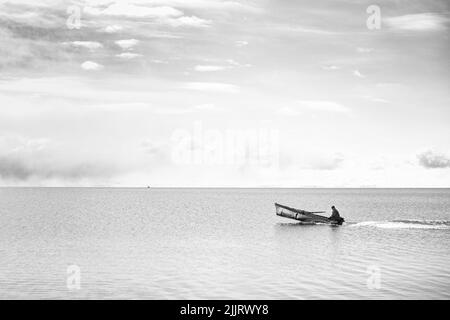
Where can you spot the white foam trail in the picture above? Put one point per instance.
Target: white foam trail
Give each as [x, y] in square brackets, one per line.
[405, 224]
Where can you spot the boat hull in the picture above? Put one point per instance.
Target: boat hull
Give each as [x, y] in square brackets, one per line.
[303, 216]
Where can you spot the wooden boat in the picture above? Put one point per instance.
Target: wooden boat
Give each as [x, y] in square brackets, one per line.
[304, 216]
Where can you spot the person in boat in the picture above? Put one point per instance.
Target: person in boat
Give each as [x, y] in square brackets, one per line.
[334, 214]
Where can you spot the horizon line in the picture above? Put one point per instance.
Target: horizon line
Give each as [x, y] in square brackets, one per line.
[215, 187]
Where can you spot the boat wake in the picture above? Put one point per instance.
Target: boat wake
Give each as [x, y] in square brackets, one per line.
[405, 224]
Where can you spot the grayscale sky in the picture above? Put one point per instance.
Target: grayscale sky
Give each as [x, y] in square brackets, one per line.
[103, 102]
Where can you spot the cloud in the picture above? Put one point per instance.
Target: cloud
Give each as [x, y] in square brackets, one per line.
[11, 152]
[133, 11]
[241, 43]
[160, 14]
[152, 108]
[322, 105]
[127, 44]
[327, 163]
[433, 160]
[22, 159]
[208, 68]
[128, 55]
[158, 151]
[28, 15]
[358, 74]
[364, 50]
[19, 169]
[34, 46]
[112, 28]
[314, 160]
[330, 67]
[211, 87]
[303, 106]
[380, 100]
[91, 45]
[374, 99]
[294, 29]
[418, 22]
[219, 5]
[11, 168]
[237, 64]
[189, 22]
[157, 61]
[91, 66]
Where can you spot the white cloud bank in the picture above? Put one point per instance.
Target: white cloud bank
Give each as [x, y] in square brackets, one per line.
[127, 44]
[433, 160]
[112, 28]
[133, 11]
[91, 66]
[163, 14]
[418, 22]
[24, 159]
[209, 68]
[91, 45]
[211, 87]
[128, 55]
[189, 22]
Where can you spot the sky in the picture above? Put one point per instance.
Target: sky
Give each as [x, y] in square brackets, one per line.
[212, 93]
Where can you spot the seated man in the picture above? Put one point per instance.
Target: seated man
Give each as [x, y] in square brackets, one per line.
[334, 214]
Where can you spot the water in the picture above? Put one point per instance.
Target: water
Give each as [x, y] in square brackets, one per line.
[223, 244]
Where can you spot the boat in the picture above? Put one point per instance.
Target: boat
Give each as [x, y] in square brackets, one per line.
[307, 217]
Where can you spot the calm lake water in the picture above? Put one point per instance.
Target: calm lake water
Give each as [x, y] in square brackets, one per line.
[223, 244]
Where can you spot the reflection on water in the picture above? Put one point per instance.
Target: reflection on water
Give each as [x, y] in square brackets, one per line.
[200, 244]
